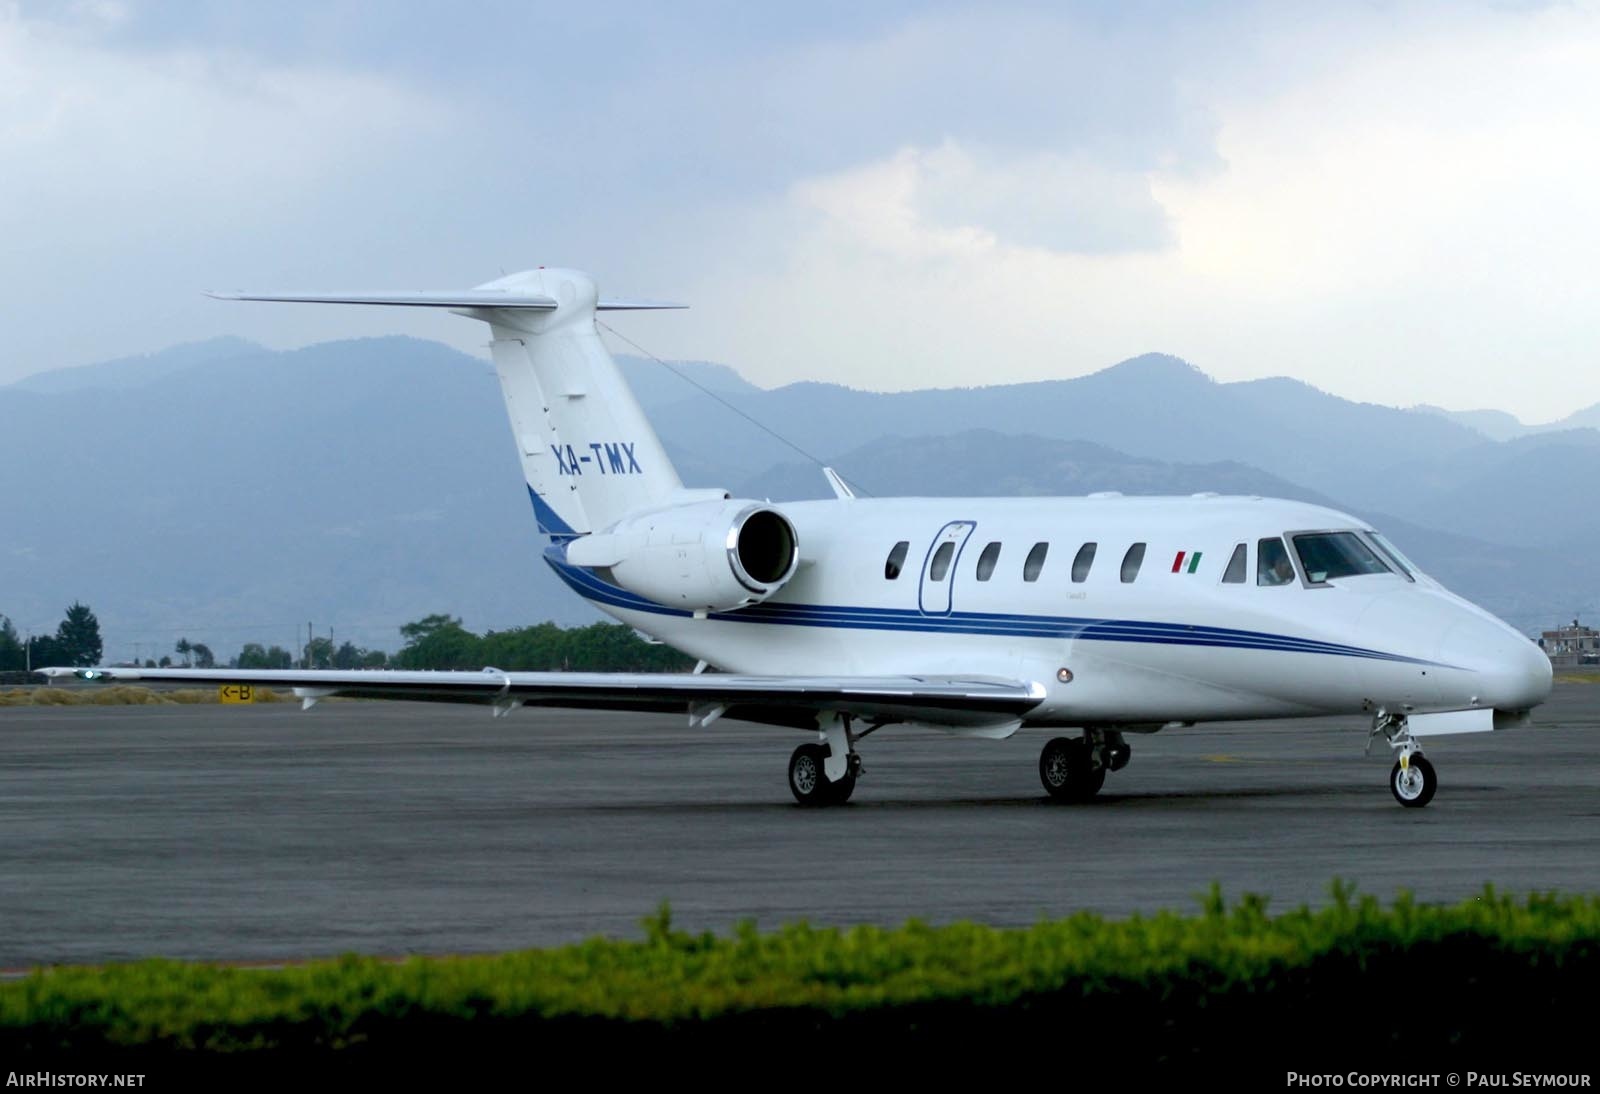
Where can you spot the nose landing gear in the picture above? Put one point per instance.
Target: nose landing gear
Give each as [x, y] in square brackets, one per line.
[1412, 779]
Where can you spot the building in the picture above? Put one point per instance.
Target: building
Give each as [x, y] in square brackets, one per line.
[1571, 646]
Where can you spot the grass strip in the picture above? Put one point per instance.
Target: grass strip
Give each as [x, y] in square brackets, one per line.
[122, 695]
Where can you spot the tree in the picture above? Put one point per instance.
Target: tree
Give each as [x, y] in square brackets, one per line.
[254, 656]
[183, 648]
[439, 642]
[319, 653]
[13, 658]
[203, 657]
[44, 650]
[77, 639]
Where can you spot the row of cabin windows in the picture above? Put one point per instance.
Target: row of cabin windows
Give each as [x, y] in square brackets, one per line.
[1032, 566]
[1272, 562]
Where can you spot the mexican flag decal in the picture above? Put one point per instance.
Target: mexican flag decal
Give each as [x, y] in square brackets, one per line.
[1194, 560]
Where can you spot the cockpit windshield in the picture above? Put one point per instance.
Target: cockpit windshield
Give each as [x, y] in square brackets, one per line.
[1401, 563]
[1328, 556]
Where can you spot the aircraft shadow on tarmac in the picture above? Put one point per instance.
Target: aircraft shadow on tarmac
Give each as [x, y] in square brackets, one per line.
[1136, 800]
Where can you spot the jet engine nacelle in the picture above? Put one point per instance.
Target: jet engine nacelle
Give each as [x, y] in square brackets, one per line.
[707, 556]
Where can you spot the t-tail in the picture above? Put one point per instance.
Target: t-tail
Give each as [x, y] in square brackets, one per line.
[588, 454]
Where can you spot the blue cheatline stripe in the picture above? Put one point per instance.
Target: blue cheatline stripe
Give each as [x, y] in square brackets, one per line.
[588, 585]
[550, 522]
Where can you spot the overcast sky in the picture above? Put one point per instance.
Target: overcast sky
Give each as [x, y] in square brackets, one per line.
[1395, 202]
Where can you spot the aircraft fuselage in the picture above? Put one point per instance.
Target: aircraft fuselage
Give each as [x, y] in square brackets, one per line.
[1176, 642]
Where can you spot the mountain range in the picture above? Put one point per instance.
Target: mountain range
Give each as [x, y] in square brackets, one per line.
[1497, 425]
[228, 493]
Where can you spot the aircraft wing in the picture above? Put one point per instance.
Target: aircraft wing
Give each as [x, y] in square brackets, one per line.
[976, 701]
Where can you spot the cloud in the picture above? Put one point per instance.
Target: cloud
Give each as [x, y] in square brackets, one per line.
[130, 173]
[1421, 214]
[1004, 84]
[1401, 211]
[880, 206]
[950, 200]
[183, 133]
[1390, 201]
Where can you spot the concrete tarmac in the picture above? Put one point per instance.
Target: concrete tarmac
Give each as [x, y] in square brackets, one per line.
[263, 833]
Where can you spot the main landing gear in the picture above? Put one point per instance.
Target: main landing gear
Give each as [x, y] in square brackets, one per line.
[809, 782]
[825, 773]
[1412, 780]
[1073, 769]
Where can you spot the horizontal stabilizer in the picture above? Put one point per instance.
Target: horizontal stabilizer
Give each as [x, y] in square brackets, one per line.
[636, 305]
[473, 298]
[467, 298]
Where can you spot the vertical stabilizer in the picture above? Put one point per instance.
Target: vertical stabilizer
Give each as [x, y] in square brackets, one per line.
[588, 454]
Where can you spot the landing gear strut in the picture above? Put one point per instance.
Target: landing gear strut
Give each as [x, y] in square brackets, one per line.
[1074, 768]
[1412, 780]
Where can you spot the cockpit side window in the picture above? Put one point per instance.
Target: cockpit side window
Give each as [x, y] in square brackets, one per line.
[1234, 574]
[1272, 563]
[1328, 556]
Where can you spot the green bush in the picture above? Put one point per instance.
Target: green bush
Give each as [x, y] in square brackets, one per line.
[1165, 991]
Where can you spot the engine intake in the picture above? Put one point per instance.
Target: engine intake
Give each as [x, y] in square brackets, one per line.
[707, 556]
[763, 550]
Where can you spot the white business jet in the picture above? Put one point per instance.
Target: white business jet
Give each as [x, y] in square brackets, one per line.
[1104, 616]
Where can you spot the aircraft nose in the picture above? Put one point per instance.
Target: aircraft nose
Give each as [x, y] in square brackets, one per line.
[1510, 672]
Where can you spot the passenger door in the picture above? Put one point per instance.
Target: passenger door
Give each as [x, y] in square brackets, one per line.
[939, 567]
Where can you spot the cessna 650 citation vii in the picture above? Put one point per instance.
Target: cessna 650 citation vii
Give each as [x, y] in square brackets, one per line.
[1104, 616]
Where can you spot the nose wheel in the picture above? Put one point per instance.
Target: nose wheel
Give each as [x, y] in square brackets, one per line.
[1413, 780]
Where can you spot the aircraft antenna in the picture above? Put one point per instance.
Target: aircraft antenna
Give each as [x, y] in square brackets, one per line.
[773, 433]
